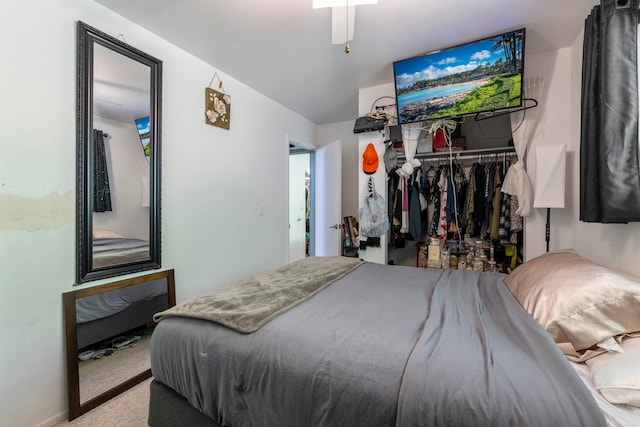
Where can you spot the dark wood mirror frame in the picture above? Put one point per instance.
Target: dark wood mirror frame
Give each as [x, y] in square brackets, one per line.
[87, 38]
[76, 407]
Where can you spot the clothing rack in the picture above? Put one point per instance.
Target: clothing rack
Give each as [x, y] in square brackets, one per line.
[479, 154]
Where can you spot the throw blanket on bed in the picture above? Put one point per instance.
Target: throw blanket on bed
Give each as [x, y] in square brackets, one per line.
[247, 305]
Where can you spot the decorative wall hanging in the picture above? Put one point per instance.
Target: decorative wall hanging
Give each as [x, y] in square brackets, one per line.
[217, 105]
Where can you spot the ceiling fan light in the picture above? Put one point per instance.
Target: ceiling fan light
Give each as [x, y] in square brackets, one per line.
[317, 4]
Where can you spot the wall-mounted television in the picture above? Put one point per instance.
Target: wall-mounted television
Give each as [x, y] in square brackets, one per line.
[142, 124]
[475, 77]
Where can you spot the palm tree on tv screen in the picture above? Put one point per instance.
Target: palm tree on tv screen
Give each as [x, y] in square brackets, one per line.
[511, 47]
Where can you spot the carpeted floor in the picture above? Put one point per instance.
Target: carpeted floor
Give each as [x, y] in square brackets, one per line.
[99, 375]
[130, 409]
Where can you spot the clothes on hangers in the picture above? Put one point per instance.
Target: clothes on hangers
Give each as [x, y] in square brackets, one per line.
[449, 200]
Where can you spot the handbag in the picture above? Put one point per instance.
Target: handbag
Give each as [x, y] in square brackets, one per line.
[368, 124]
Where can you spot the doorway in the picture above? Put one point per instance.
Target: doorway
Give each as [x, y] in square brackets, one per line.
[325, 193]
[300, 202]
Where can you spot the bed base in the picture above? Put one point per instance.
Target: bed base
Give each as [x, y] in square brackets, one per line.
[137, 314]
[168, 409]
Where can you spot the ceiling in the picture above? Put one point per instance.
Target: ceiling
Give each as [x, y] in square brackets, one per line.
[282, 48]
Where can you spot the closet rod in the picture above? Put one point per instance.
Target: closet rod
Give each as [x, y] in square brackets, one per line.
[460, 154]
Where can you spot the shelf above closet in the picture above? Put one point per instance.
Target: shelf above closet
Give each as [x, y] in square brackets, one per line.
[462, 154]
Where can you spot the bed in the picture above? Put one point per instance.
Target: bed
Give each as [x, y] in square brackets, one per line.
[338, 341]
[119, 250]
[107, 315]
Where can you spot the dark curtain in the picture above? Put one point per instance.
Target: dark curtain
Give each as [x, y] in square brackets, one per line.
[101, 191]
[609, 152]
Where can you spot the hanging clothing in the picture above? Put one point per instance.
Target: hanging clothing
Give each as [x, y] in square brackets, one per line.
[436, 200]
[487, 197]
[372, 216]
[405, 206]
[415, 222]
[494, 226]
[470, 201]
[443, 225]
[505, 219]
[517, 224]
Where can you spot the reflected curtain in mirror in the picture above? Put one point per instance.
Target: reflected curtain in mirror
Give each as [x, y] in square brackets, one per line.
[609, 153]
[101, 190]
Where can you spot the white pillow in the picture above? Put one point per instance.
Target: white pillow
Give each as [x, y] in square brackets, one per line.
[106, 234]
[617, 375]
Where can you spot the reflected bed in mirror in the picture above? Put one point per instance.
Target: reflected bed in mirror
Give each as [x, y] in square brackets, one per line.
[118, 176]
[108, 329]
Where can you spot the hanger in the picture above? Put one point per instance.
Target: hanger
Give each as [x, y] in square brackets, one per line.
[489, 115]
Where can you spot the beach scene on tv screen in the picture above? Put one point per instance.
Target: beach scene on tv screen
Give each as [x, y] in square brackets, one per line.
[481, 76]
[143, 126]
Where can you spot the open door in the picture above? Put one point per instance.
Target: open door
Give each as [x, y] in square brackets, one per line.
[326, 207]
[299, 190]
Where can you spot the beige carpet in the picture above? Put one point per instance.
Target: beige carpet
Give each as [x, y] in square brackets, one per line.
[99, 375]
[129, 409]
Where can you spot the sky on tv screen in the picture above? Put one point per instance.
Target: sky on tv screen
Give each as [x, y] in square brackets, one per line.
[142, 125]
[446, 62]
[431, 85]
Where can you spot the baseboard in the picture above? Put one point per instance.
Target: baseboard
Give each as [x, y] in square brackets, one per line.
[54, 419]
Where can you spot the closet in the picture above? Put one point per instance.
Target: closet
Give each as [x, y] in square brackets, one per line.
[456, 198]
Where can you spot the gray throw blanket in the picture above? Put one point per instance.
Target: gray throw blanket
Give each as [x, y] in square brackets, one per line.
[248, 304]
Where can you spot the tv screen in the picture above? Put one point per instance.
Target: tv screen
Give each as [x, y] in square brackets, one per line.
[475, 77]
[144, 132]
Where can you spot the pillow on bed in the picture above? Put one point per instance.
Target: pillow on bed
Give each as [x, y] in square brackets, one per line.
[106, 234]
[617, 375]
[575, 300]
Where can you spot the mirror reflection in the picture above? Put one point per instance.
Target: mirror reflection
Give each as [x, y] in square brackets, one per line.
[121, 94]
[109, 328]
[119, 91]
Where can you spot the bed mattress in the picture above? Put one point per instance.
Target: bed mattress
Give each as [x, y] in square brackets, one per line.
[116, 251]
[108, 303]
[382, 346]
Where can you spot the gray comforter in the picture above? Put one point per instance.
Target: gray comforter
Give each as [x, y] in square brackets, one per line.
[108, 252]
[382, 346]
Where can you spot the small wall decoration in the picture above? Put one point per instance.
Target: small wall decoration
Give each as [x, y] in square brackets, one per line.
[217, 105]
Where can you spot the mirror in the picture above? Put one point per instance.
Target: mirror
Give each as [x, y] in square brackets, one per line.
[118, 148]
[108, 329]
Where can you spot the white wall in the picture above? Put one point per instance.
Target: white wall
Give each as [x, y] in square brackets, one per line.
[213, 181]
[366, 98]
[614, 245]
